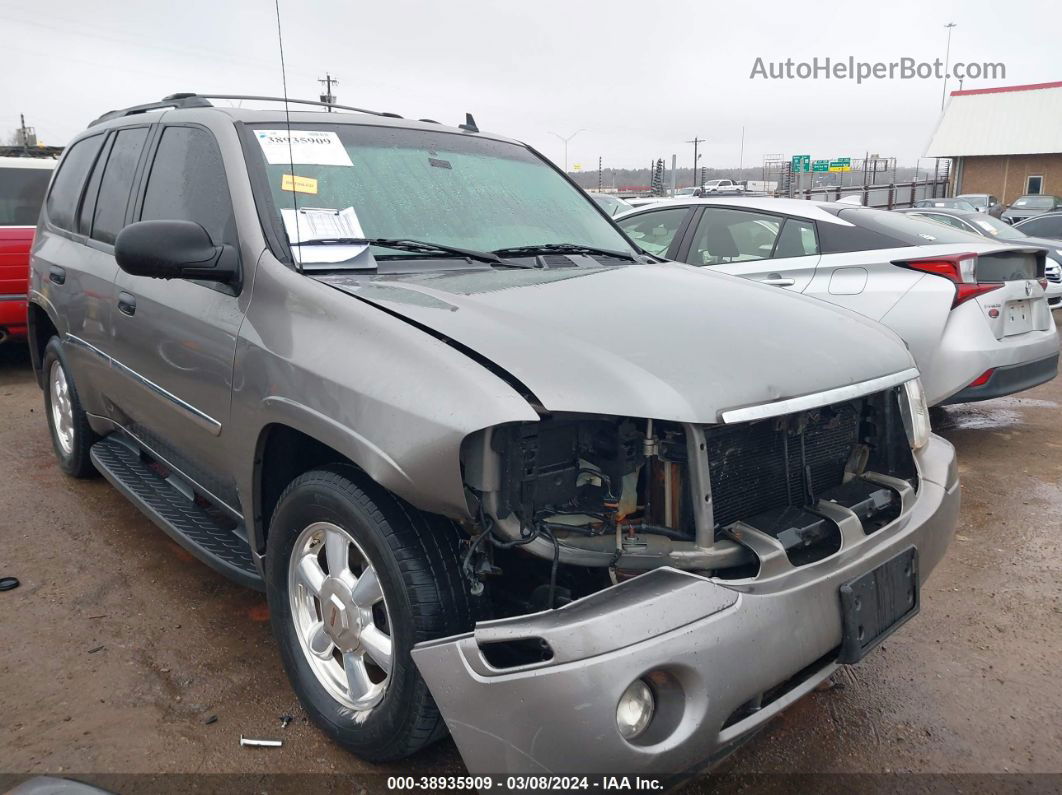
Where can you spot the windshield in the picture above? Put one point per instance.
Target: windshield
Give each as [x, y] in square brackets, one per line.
[951, 204]
[1035, 202]
[21, 195]
[437, 187]
[996, 228]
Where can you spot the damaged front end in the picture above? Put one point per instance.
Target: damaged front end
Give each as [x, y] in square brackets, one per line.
[695, 572]
[728, 500]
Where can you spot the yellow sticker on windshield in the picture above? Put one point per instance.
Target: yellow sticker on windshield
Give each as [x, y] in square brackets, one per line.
[298, 184]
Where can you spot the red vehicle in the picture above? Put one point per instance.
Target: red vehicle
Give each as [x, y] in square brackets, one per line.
[23, 181]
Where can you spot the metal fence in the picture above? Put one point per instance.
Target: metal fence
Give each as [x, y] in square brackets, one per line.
[885, 197]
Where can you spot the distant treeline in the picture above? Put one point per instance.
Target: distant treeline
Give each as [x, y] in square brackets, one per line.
[623, 177]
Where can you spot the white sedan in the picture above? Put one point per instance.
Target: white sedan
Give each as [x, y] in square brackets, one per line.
[973, 312]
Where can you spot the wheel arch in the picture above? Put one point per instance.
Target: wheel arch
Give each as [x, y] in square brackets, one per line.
[289, 446]
[40, 327]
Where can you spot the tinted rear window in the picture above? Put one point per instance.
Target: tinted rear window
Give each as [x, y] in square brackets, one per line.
[909, 231]
[22, 194]
[117, 183]
[66, 189]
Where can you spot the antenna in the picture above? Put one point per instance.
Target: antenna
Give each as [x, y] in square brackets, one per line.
[287, 121]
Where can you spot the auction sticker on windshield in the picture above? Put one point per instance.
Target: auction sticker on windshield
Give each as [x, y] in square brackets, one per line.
[302, 147]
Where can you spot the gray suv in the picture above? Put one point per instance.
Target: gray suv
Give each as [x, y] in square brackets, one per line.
[498, 471]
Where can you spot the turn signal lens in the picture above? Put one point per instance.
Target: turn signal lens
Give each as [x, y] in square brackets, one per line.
[635, 709]
[915, 413]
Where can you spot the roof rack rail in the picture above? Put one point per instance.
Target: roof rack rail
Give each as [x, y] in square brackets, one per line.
[186, 100]
[192, 100]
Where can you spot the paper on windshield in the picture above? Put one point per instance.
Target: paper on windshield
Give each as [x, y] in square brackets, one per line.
[302, 147]
[315, 223]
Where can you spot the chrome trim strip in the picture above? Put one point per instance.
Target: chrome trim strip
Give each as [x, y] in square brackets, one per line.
[14, 297]
[200, 418]
[816, 399]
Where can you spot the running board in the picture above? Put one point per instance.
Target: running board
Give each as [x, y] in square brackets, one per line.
[223, 549]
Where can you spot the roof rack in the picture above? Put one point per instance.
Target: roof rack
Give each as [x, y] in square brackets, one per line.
[192, 100]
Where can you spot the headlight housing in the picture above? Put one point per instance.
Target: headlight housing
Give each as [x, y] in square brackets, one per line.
[915, 413]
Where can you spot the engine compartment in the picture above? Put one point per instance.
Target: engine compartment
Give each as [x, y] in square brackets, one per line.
[626, 495]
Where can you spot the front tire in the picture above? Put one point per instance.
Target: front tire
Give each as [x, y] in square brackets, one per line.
[71, 435]
[355, 578]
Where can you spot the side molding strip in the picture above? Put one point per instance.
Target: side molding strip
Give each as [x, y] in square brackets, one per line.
[200, 418]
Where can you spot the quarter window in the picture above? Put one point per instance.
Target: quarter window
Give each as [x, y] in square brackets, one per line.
[117, 183]
[68, 184]
[798, 239]
[654, 230]
[187, 183]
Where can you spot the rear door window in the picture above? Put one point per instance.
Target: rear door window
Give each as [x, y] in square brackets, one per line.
[22, 194]
[116, 184]
[725, 236]
[65, 195]
[187, 183]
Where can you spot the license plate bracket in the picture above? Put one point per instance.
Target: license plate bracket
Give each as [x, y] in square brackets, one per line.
[877, 603]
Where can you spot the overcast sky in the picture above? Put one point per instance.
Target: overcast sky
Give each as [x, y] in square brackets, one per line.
[638, 78]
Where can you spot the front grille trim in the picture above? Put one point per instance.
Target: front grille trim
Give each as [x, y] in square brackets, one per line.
[778, 408]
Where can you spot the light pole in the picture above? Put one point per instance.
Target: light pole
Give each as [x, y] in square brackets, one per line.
[696, 157]
[947, 57]
[582, 129]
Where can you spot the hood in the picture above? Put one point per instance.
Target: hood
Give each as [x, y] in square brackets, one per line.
[666, 341]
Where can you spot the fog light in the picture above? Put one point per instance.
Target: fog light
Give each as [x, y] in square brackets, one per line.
[635, 709]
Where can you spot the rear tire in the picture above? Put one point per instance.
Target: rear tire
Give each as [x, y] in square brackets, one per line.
[72, 438]
[348, 657]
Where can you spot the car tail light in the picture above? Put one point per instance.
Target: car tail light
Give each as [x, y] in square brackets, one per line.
[982, 379]
[960, 269]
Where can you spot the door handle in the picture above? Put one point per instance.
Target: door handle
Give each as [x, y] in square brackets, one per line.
[126, 304]
[57, 274]
[778, 281]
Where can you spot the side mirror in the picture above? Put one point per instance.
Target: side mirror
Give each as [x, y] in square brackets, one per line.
[174, 250]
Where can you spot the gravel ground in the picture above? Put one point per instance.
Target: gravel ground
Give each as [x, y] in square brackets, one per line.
[122, 654]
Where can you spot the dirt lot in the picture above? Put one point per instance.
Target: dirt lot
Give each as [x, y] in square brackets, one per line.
[118, 648]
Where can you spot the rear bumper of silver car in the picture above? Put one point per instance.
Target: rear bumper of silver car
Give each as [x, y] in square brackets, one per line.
[721, 658]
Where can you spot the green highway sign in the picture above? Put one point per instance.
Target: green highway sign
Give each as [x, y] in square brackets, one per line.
[820, 165]
[841, 164]
[801, 163]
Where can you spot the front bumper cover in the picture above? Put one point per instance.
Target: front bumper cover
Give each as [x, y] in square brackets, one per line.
[709, 648]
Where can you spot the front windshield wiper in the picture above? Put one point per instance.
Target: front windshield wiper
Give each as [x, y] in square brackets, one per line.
[413, 246]
[560, 248]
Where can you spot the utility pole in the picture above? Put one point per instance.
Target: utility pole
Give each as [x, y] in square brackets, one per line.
[599, 185]
[328, 97]
[947, 58]
[741, 151]
[582, 129]
[695, 142]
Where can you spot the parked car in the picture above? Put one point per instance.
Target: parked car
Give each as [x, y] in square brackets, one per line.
[994, 229]
[954, 204]
[1030, 206]
[973, 312]
[613, 205]
[1047, 225]
[458, 463]
[23, 181]
[983, 203]
[721, 186]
